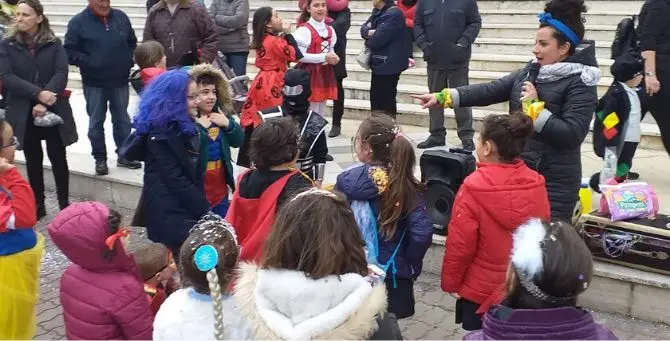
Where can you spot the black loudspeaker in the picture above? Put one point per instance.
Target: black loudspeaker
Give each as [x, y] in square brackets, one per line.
[444, 171]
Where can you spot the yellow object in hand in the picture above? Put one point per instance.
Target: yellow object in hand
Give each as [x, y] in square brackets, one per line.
[533, 110]
[444, 98]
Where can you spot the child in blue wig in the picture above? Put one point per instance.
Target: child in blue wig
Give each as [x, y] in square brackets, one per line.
[167, 140]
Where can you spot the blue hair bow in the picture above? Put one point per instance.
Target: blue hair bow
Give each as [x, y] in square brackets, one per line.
[547, 18]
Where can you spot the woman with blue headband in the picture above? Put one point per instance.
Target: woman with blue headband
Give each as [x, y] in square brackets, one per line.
[557, 90]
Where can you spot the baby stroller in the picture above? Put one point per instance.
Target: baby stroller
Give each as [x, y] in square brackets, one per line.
[239, 85]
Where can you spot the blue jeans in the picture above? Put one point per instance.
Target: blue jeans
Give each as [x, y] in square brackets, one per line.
[96, 107]
[238, 62]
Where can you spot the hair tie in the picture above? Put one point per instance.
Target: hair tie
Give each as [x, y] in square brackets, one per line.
[120, 233]
[547, 18]
[206, 258]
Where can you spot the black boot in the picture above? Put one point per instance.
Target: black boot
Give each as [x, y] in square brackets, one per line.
[101, 167]
[432, 141]
[125, 163]
[469, 145]
[335, 131]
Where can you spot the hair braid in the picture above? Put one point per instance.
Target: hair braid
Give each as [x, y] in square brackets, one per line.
[217, 298]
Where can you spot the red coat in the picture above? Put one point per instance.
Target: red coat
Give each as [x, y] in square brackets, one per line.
[491, 204]
[408, 12]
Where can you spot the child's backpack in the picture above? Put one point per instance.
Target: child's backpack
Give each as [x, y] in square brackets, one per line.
[626, 38]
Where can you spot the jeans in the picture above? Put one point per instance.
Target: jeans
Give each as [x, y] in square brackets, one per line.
[238, 62]
[439, 79]
[383, 90]
[32, 149]
[96, 107]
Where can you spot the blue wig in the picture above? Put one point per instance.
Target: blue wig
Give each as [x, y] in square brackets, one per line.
[163, 105]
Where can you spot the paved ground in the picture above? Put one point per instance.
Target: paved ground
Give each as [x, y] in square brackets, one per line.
[434, 319]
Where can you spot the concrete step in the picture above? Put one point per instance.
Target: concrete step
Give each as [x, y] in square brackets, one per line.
[73, 7]
[500, 16]
[62, 16]
[613, 288]
[503, 46]
[489, 30]
[632, 6]
[479, 61]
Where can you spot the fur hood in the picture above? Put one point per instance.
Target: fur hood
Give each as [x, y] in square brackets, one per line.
[222, 88]
[285, 304]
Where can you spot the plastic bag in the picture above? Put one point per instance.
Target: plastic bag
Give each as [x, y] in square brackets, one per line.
[47, 120]
[628, 200]
[19, 290]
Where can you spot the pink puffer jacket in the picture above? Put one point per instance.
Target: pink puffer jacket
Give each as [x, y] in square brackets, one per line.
[102, 299]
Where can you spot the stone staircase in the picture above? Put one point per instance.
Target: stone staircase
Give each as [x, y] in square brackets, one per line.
[504, 45]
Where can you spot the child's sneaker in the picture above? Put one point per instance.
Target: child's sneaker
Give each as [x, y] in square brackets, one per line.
[412, 63]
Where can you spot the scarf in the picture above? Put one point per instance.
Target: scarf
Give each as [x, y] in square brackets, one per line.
[590, 75]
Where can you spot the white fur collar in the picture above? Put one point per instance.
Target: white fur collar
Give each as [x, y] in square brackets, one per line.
[283, 304]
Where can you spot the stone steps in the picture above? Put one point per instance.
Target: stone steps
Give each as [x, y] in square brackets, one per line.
[479, 61]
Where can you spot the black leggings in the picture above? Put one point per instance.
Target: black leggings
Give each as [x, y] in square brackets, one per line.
[383, 90]
[32, 149]
[659, 107]
[338, 104]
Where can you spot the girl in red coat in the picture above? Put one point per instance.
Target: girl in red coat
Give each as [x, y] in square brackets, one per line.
[502, 194]
[274, 51]
[408, 8]
[316, 41]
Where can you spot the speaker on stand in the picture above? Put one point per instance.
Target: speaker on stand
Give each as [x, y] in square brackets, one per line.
[443, 172]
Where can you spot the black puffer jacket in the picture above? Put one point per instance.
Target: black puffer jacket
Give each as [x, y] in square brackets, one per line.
[554, 149]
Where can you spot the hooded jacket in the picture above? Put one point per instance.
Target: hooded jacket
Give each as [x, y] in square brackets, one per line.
[233, 136]
[356, 184]
[492, 202]
[567, 323]
[346, 307]
[569, 90]
[102, 299]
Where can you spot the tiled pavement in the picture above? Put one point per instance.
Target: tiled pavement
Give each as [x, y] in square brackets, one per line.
[434, 311]
[434, 319]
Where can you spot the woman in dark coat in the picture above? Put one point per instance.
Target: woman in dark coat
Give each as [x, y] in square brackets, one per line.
[388, 54]
[654, 30]
[167, 141]
[565, 96]
[34, 69]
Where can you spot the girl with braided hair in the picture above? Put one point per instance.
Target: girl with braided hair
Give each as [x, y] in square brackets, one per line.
[208, 259]
[550, 267]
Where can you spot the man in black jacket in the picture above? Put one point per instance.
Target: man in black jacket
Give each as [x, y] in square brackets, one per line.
[100, 41]
[445, 30]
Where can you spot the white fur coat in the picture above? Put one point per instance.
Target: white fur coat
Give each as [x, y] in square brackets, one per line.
[283, 304]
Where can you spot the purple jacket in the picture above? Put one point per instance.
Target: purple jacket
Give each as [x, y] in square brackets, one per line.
[102, 299]
[357, 185]
[568, 323]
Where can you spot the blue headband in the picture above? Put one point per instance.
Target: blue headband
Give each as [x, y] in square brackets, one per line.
[547, 18]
